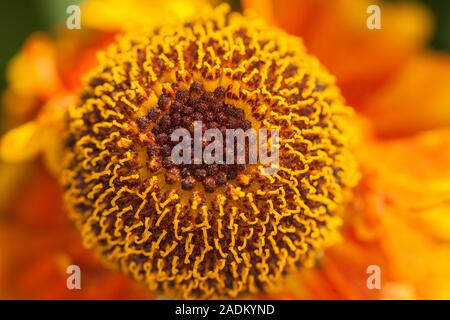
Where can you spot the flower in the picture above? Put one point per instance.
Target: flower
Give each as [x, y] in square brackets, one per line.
[206, 230]
[395, 218]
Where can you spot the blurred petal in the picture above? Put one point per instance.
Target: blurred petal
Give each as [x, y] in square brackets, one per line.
[39, 206]
[415, 258]
[42, 135]
[414, 172]
[417, 98]
[37, 244]
[33, 71]
[113, 15]
[78, 53]
[12, 176]
[37, 263]
[413, 183]
[22, 143]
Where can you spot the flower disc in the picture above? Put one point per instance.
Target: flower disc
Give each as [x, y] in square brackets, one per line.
[207, 230]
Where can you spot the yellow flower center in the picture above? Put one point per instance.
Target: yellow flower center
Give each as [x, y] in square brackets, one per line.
[202, 231]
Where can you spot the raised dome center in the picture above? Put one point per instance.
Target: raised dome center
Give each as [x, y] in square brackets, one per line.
[189, 230]
[182, 110]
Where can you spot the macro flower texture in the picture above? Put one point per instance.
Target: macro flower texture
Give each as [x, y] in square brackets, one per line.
[362, 182]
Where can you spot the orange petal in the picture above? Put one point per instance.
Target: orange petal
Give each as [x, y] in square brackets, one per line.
[38, 204]
[33, 266]
[12, 177]
[21, 144]
[415, 258]
[43, 135]
[33, 73]
[412, 177]
[414, 172]
[418, 98]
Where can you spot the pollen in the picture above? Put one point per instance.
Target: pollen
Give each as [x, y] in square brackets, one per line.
[207, 230]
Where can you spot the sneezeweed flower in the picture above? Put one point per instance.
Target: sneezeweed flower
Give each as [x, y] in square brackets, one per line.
[396, 217]
[198, 230]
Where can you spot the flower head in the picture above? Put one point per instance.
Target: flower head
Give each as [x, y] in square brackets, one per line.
[207, 230]
[397, 217]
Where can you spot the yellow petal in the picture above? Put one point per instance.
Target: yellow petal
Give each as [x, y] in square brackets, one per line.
[114, 15]
[33, 71]
[415, 258]
[21, 144]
